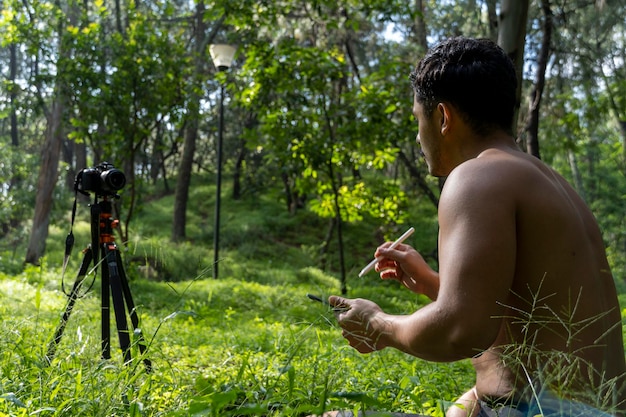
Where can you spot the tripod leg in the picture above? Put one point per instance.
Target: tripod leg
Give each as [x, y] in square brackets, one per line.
[105, 311]
[134, 317]
[113, 269]
[82, 271]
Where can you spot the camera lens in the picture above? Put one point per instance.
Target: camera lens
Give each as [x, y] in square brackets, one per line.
[113, 179]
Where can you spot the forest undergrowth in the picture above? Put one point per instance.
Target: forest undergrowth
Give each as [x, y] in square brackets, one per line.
[248, 343]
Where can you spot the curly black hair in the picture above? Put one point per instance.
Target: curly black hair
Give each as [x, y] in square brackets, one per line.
[474, 75]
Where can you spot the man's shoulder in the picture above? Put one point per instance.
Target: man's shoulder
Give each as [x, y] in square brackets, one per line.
[491, 170]
[493, 160]
[495, 178]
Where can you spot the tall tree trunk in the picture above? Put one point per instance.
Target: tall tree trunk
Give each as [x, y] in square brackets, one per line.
[532, 126]
[241, 156]
[421, 31]
[48, 174]
[67, 153]
[492, 16]
[155, 159]
[326, 243]
[342, 261]
[78, 161]
[615, 108]
[51, 151]
[184, 176]
[336, 182]
[622, 125]
[288, 192]
[250, 122]
[415, 173]
[191, 134]
[511, 35]
[13, 95]
[14, 182]
[592, 156]
[578, 179]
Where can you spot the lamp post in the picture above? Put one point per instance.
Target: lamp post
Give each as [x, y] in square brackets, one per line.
[222, 56]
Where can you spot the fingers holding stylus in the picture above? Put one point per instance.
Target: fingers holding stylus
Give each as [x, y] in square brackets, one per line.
[377, 259]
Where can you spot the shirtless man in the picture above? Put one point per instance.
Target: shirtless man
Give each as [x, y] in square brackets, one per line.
[524, 287]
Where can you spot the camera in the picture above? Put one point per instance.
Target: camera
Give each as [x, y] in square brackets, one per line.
[103, 179]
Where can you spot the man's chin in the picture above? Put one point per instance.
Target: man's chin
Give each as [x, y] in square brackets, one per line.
[437, 173]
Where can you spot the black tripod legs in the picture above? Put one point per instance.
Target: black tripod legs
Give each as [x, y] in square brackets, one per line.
[114, 279]
[115, 287]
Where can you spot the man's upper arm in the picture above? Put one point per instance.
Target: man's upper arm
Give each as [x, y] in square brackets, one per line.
[477, 252]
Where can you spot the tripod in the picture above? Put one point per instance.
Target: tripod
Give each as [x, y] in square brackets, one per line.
[114, 286]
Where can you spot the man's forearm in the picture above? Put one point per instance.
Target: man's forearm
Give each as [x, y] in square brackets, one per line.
[424, 334]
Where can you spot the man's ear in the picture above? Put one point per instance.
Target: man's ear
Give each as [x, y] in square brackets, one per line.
[445, 113]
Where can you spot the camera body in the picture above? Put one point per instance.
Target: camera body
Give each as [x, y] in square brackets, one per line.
[103, 179]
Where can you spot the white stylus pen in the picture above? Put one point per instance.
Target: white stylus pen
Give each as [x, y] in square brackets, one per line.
[401, 239]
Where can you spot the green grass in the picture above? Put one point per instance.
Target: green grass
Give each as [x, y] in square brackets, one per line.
[249, 343]
[226, 347]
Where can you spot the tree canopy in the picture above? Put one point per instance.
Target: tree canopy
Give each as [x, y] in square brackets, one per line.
[317, 104]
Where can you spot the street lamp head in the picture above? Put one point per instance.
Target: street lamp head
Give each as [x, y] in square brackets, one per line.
[222, 55]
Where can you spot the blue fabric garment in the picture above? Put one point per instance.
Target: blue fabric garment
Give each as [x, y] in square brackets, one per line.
[548, 405]
[545, 405]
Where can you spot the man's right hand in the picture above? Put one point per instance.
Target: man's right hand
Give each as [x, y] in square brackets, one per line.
[405, 265]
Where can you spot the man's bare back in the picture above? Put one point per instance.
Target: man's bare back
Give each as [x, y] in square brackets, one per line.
[562, 298]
